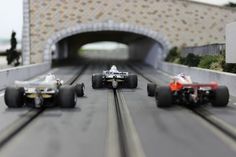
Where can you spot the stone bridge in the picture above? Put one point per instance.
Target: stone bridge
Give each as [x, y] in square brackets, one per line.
[148, 27]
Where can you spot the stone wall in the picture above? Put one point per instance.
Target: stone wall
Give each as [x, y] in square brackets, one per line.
[184, 23]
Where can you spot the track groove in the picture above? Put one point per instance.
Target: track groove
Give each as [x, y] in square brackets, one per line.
[129, 142]
[121, 132]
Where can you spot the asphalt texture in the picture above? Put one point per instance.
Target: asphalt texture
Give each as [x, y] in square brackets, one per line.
[83, 131]
[228, 114]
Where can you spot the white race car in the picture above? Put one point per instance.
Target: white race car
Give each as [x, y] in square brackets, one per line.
[45, 92]
[114, 78]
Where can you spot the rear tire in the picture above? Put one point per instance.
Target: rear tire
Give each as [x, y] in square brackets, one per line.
[14, 97]
[97, 81]
[163, 97]
[132, 81]
[67, 97]
[151, 88]
[79, 89]
[221, 97]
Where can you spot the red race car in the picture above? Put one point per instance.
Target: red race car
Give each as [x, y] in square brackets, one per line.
[182, 90]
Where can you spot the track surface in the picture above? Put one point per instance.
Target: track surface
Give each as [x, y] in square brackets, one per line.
[84, 131]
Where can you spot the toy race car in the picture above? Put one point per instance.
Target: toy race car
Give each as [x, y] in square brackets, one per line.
[46, 92]
[114, 78]
[182, 90]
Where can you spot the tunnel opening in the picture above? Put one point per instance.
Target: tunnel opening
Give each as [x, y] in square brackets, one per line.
[140, 48]
[105, 50]
[144, 44]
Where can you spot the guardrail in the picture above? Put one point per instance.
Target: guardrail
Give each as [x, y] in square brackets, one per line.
[202, 75]
[212, 49]
[8, 76]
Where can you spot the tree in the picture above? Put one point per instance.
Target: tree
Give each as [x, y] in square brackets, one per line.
[231, 5]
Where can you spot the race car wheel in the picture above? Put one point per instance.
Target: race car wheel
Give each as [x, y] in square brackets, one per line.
[79, 89]
[221, 97]
[132, 81]
[163, 97]
[97, 81]
[151, 88]
[14, 97]
[67, 97]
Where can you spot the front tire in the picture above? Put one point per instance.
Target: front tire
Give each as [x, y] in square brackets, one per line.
[132, 81]
[151, 88]
[14, 97]
[163, 97]
[221, 97]
[67, 97]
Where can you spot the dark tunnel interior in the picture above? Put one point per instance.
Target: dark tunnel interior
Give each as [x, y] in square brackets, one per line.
[140, 48]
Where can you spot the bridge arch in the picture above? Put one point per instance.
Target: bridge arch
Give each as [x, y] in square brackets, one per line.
[104, 26]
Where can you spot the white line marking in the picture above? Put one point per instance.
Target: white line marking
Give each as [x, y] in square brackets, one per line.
[2, 94]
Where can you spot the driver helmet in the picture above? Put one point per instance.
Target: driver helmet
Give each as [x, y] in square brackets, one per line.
[50, 77]
[182, 75]
[113, 68]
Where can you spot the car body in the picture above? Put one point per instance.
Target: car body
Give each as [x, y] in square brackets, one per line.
[47, 91]
[181, 90]
[114, 78]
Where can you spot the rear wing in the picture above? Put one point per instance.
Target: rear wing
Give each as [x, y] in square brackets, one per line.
[176, 86]
[28, 84]
[115, 73]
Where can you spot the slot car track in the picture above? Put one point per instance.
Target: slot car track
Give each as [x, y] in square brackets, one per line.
[128, 142]
[121, 122]
[203, 113]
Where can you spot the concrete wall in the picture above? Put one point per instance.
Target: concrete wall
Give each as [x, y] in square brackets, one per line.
[231, 43]
[8, 76]
[202, 75]
[185, 23]
[62, 50]
[146, 50]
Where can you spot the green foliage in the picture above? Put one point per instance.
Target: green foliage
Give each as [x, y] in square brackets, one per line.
[229, 67]
[231, 5]
[216, 66]
[212, 62]
[191, 60]
[172, 55]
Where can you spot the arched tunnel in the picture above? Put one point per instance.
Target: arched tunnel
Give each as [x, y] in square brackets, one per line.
[140, 48]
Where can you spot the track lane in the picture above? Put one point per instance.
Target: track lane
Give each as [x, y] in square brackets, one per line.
[58, 132]
[228, 114]
[171, 132]
[83, 131]
[8, 116]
